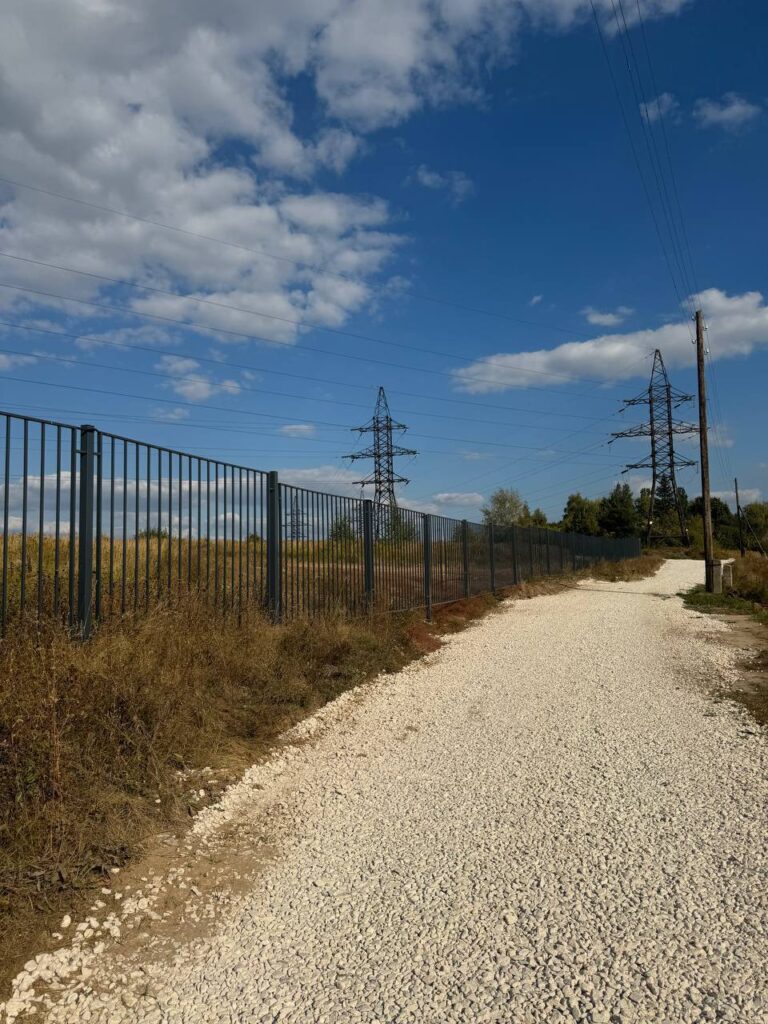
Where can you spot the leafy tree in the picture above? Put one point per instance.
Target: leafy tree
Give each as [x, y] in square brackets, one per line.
[154, 533]
[756, 515]
[537, 518]
[665, 497]
[617, 514]
[342, 530]
[580, 515]
[725, 525]
[642, 504]
[397, 527]
[505, 508]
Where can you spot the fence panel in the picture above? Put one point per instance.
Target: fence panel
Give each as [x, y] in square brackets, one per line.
[447, 560]
[322, 552]
[170, 523]
[96, 525]
[398, 558]
[479, 562]
[39, 460]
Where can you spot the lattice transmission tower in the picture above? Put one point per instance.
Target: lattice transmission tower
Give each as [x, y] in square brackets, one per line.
[662, 399]
[296, 519]
[383, 451]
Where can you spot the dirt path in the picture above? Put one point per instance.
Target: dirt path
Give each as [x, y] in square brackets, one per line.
[548, 820]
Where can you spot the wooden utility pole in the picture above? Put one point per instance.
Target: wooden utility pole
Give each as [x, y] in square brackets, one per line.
[742, 549]
[706, 502]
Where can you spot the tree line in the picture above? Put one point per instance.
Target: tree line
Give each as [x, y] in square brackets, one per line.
[622, 514]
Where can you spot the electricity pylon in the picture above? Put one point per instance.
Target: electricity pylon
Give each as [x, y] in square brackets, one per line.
[661, 398]
[296, 519]
[383, 451]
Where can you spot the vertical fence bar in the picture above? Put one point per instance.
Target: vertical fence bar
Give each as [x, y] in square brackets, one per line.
[57, 525]
[24, 510]
[124, 553]
[368, 553]
[136, 528]
[465, 554]
[72, 524]
[530, 550]
[148, 527]
[6, 512]
[274, 602]
[111, 523]
[85, 539]
[99, 499]
[189, 523]
[41, 526]
[428, 566]
[216, 536]
[492, 555]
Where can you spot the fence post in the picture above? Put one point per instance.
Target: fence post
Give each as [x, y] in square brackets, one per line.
[465, 553]
[368, 565]
[428, 566]
[513, 550]
[87, 453]
[545, 531]
[492, 556]
[530, 550]
[274, 599]
[573, 552]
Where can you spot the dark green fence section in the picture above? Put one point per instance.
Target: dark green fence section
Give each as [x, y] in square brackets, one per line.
[96, 525]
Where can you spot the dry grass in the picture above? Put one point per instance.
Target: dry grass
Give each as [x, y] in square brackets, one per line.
[750, 579]
[648, 564]
[92, 735]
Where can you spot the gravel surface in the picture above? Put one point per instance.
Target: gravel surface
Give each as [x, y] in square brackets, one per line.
[547, 820]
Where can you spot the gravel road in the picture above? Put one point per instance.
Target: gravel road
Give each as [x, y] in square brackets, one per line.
[548, 820]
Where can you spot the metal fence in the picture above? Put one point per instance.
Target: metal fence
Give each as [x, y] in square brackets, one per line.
[95, 525]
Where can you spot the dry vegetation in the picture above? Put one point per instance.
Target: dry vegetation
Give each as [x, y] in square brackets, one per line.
[93, 736]
[648, 564]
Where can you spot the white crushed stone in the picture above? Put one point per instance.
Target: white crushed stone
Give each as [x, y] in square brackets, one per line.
[546, 821]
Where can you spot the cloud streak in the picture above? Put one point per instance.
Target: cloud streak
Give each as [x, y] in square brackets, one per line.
[738, 324]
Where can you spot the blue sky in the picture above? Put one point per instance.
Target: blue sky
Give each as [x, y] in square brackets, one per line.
[437, 197]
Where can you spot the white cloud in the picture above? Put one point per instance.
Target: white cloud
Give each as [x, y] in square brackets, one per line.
[175, 415]
[135, 106]
[298, 430]
[334, 479]
[535, 300]
[190, 381]
[9, 362]
[638, 482]
[732, 112]
[460, 499]
[663, 106]
[607, 319]
[746, 496]
[738, 324]
[457, 184]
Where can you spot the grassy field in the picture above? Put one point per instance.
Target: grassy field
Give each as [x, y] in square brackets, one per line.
[137, 574]
[748, 595]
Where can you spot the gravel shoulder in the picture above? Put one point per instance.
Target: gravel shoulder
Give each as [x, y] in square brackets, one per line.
[547, 820]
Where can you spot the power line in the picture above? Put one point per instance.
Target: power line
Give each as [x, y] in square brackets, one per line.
[234, 388]
[355, 336]
[635, 154]
[285, 259]
[250, 412]
[190, 324]
[156, 350]
[665, 136]
[633, 68]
